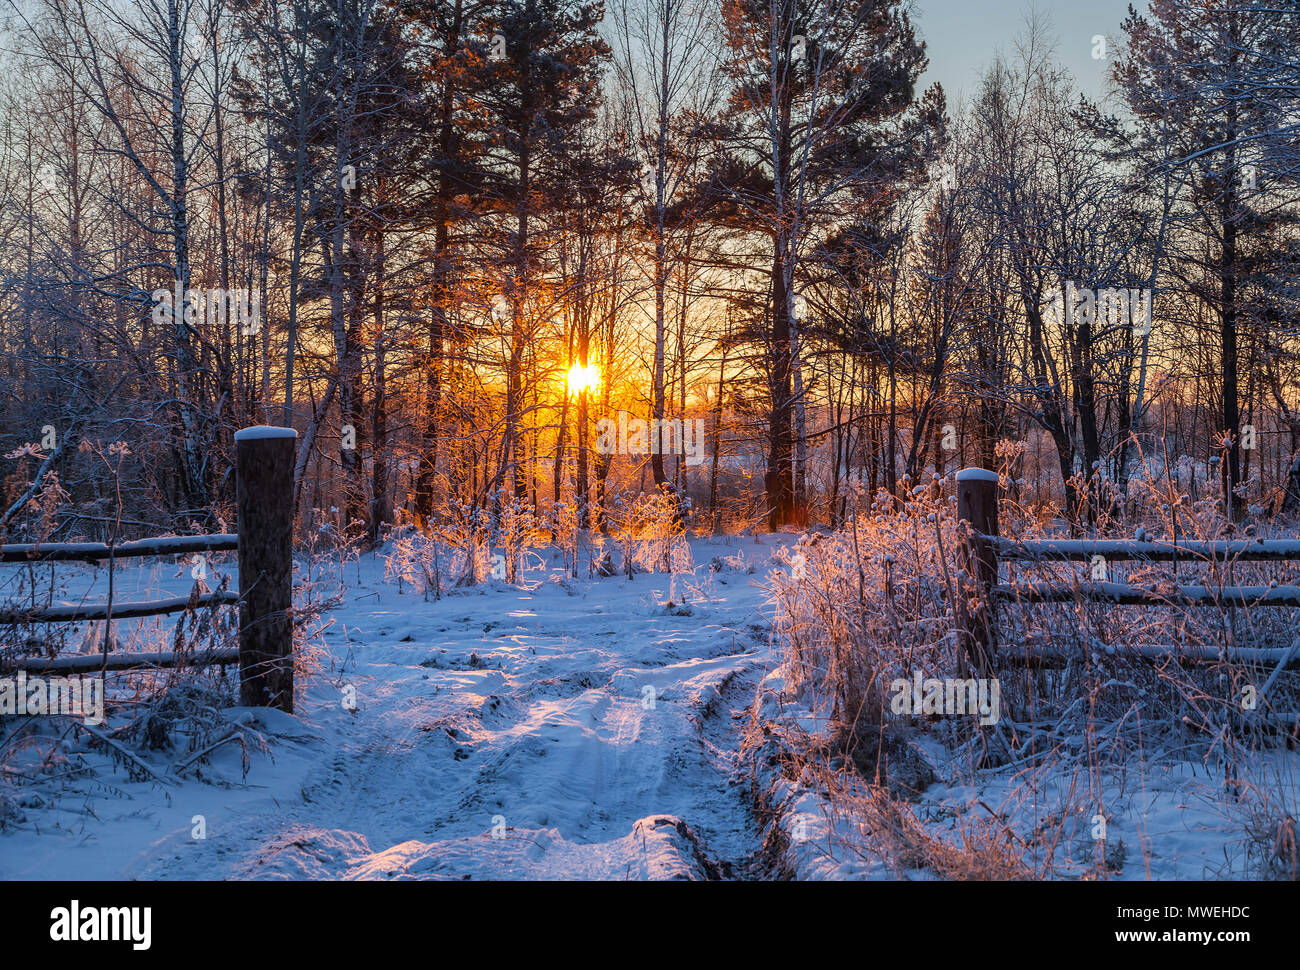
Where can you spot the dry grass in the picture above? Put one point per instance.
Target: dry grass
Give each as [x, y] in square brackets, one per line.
[874, 602]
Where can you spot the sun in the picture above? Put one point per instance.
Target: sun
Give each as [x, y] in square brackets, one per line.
[583, 378]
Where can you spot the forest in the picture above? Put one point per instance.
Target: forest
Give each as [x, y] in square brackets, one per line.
[806, 455]
[445, 240]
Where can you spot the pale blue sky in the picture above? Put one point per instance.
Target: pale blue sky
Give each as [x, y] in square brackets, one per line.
[962, 37]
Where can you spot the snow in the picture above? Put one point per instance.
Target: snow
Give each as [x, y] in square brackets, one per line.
[977, 475]
[588, 722]
[568, 729]
[1166, 818]
[259, 431]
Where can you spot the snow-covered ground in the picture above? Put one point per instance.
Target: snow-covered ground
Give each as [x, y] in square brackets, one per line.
[574, 729]
[579, 729]
[1167, 813]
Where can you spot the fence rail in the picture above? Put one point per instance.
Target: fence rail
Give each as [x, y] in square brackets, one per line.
[100, 551]
[1124, 595]
[1121, 550]
[94, 663]
[1051, 655]
[115, 611]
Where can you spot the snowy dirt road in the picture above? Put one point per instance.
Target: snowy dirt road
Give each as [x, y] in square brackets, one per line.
[577, 729]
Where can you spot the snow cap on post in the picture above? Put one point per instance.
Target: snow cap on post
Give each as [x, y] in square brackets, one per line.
[976, 475]
[264, 431]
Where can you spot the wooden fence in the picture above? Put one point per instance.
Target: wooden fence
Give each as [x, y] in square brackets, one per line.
[982, 549]
[264, 459]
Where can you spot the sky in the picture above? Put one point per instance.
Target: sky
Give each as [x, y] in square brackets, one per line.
[963, 36]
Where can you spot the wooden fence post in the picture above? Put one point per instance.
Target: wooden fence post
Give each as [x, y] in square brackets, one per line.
[264, 459]
[977, 514]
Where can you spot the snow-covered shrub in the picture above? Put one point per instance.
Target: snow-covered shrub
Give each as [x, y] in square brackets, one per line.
[452, 549]
[414, 558]
[562, 519]
[681, 565]
[647, 529]
[327, 536]
[518, 531]
[868, 604]
[601, 562]
[1265, 813]
[466, 531]
[1089, 690]
[735, 562]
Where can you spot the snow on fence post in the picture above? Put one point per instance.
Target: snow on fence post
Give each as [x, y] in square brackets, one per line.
[264, 458]
[977, 514]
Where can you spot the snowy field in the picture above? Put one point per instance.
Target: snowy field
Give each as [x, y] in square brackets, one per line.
[562, 729]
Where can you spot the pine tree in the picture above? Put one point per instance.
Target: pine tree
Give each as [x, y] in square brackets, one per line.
[822, 110]
[545, 62]
[1213, 88]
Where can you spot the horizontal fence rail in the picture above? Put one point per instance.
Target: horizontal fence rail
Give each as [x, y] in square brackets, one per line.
[1052, 655]
[93, 663]
[1120, 550]
[117, 611]
[99, 551]
[1124, 595]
